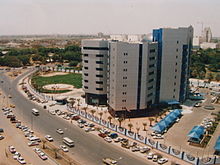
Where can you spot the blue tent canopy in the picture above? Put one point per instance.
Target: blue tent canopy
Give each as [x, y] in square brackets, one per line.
[158, 128]
[169, 119]
[196, 132]
[178, 112]
[217, 144]
[172, 102]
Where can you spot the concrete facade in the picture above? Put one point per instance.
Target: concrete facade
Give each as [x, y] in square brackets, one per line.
[173, 62]
[132, 75]
[95, 54]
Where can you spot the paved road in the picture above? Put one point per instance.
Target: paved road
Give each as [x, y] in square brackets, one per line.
[88, 147]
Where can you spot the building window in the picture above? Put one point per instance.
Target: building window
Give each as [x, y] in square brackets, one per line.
[86, 81]
[152, 58]
[86, 61]
[125, 62]
[151, 73]
[99, 89]
[176, 56]
[176, 63]
[86, 55]
[152, 50]
[175, 77]
[125, 54]
[95, 48]
[174, 90]
[99, 75]
[124, 85]
[125, 70]
[177, 42]
[99, 55]
[99, 62]
[177, 50]
[174, 83]
[86, 74]
[85, 87]
[86, 67]
[99, 82]
[149, 88]
[175, 70]
[151, 66]
[151, 80]
[124, 78]
[99, 69]
[124, 93]
[151, 94]
[123, 101]
[174, 96]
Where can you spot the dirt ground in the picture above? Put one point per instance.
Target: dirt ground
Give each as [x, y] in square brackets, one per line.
[53, 74]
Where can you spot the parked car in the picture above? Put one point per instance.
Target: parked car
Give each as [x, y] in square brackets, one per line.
[64, 148]
[155, 158]
[21, 160]
[33, 143]
[12, 149]
[60, 131]
[102, 135]
[108, 139]
[42, 156]
[49, 138]
[2, 137]
[16, 155]
[1, 130]
[150, 155]
[162, 160]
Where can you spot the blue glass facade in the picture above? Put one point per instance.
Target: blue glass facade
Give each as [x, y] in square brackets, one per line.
[157, 37]
[184, 72]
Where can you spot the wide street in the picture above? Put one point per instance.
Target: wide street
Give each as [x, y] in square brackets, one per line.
[88, 149]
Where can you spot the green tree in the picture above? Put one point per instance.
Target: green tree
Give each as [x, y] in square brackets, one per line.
[73, 63]
[25, 59]
[217, 77]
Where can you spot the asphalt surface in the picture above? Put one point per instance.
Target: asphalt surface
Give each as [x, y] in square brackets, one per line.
[88, 147]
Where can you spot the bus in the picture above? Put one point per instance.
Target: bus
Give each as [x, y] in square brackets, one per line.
[68, 141]
[35, 112]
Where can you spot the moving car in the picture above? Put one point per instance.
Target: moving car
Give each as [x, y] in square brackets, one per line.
[49, 138]
[64, 148]
[109, 161]
[60, 131]
[162, 160]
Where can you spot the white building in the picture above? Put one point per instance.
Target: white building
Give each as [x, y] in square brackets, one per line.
[173, 62]
[132, 77]
[207, 45]
[206, 34]
[95, 54]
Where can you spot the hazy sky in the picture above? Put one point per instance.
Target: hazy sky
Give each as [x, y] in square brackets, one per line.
[107, 16]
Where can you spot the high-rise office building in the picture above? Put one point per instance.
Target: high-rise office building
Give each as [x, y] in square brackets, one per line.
[174, 47]
[206, 34]
[132, 77]
[95, 54]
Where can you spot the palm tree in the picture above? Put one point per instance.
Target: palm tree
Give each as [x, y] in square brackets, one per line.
[110, 119]
[55, 150]
[84, 108]
[100, 114]
[151, 119]
[44, 141]
[138, 129]
[130, 126]
[156, 117]
[144, 124]
[92, 112]
[120, 121]
[160, 114]
[72, 102]
[78, 103]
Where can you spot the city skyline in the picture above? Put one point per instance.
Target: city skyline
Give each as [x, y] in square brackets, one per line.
[23, 17]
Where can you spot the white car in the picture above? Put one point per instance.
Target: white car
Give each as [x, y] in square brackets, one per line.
[155, 158]
[21, 160]
[150, 155]
[87, 129]
[49, 138]
[64, 148]
[162, 160]
[60, 131]
[108, 139]
[16, 155]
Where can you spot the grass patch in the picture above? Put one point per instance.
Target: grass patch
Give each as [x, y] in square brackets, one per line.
[74, 79]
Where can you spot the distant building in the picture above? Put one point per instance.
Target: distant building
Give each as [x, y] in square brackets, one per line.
[207, 45]
[197, 40]
[206, 34]
[174, 48]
